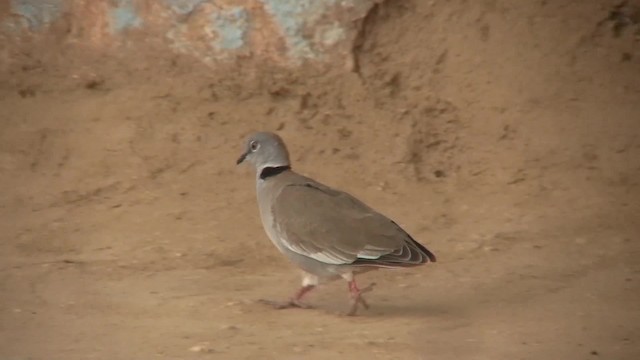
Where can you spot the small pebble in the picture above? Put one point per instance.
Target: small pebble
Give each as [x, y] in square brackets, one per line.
[202, 348]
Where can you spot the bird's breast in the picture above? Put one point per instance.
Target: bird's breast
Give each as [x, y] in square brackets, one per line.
[266, 216]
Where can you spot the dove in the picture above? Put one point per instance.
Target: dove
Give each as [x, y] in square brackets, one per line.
[327, 233]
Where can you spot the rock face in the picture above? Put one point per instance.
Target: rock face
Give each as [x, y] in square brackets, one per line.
[285, 32]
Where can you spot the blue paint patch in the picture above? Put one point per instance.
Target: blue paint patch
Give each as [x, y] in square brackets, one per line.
[124, 16]
[231, 26]
[36, 14]
[291, 16]
[184, 7]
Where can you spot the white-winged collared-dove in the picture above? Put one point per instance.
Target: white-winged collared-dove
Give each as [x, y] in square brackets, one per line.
[328, 233]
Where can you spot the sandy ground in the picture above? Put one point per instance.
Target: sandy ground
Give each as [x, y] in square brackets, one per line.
[504, 137]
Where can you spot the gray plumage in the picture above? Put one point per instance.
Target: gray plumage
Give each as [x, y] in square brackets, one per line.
[326, 232]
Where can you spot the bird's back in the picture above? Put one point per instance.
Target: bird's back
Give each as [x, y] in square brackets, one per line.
[307, 218]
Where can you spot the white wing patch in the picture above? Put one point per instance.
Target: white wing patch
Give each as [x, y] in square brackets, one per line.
[362, 255]
[328, 257]
[325, 257]
[372, 252]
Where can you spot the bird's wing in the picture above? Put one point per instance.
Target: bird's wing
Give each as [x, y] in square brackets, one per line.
[333, 227]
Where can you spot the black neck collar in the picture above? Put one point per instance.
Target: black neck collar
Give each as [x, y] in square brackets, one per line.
[273, 171]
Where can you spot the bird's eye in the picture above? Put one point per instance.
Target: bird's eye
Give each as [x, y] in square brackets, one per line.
[254, 145]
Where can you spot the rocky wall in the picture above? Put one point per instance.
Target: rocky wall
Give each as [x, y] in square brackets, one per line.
[284, 32]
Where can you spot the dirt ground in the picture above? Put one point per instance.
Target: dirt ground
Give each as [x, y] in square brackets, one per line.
[504, 136]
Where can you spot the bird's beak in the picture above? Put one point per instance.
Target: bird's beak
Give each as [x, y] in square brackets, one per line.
[241, 159]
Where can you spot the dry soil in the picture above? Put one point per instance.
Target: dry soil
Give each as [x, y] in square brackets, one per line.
[503, 135]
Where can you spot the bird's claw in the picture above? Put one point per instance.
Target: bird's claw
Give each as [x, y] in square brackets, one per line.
[357, 299]
[289, 304]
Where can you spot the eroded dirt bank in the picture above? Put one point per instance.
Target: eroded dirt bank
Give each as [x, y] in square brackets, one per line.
[504, 136]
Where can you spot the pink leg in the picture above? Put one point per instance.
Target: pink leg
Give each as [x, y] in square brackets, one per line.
[295, 301]
[356, 296]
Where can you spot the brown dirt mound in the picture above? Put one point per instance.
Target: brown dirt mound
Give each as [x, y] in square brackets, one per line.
[505, 137]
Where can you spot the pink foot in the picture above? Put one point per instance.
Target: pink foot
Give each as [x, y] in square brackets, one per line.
[294, 302]
[356, 297]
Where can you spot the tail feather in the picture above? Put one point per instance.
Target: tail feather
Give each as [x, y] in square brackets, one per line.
[418, 254]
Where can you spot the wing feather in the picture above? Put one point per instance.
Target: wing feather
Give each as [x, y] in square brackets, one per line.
[356, 235]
